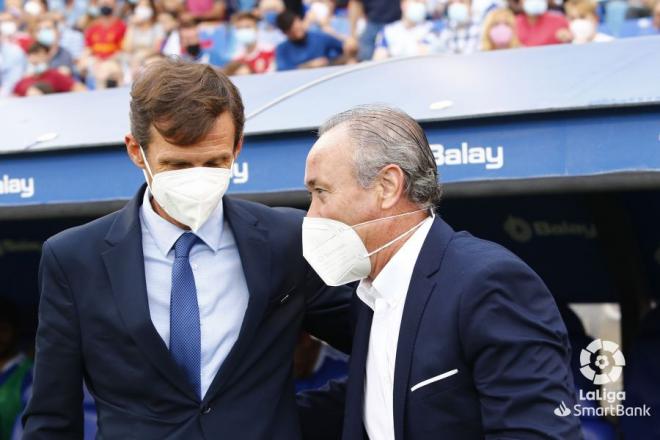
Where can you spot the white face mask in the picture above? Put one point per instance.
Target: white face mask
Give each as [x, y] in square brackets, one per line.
[535, 8]
[336, 252]
[416, 12]
[190, 195]
[143, 13]
[321, 11]
[583, 30]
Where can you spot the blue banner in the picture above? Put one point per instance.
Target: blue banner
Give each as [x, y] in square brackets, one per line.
[568, 145]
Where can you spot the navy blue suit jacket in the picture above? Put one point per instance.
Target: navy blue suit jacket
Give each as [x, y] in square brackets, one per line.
[475, 307]
[94, 323]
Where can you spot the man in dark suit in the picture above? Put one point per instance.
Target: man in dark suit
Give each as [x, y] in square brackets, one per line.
[456, 338]
[182, 310]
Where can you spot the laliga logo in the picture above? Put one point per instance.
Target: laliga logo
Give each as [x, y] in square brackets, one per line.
[609, 362]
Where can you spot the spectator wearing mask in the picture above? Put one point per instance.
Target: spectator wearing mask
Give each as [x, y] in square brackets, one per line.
[253, 56]
[144, 34]
[305, 49]
[108, 75]
[105, 35]
[319, 16]
[47, 34]
[584, 22]
[462, 34]
[41, 79]
[15, 371]
[537, 26]
[12, 67]
[191, 47]
[412, 35]
[499, 31]
[13, 30]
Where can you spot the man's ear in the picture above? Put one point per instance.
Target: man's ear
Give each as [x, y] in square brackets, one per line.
[392, 182]
[238, 148]
[133, 150]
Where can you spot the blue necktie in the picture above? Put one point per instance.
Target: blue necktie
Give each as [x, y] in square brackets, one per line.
[185, 338]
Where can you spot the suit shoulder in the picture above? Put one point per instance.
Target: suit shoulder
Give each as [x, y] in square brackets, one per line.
[73, 237]
[476, 255]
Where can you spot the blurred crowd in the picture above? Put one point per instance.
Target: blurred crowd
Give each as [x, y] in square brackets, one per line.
[49, 46]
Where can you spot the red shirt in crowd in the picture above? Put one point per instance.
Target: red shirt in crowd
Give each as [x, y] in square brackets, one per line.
[105, 40]
[544, 31]
[260, 60]
[55, 79]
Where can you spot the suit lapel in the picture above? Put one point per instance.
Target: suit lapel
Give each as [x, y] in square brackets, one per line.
[353, 413]
[124, 262]
[255, 253]
[421, 286]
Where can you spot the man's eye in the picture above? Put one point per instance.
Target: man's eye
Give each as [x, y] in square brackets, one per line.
[319, 190]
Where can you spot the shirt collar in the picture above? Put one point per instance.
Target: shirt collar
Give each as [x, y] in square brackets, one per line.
[391, 284]
[165, 234]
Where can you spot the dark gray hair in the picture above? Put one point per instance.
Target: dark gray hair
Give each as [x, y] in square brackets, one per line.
[384, 135]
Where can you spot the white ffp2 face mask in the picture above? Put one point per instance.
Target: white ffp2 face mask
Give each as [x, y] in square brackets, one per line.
[189, 195]
[336, 252]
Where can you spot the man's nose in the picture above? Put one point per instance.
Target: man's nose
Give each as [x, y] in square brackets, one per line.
[312, 211]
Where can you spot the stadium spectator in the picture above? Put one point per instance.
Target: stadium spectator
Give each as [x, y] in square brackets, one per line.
[377, 14]
[41, 79]
[412, 35]
[499, 30]
[144, 34]
[15, 371]
[537, 26]
[319, 16]
[12, 67]
[47, 34]
[71, 39]
[305, 49]
[253, 56]
[104, 36]
[108, 74]
[13, 29]
[584, 22]
[190, 45]
[462, 34]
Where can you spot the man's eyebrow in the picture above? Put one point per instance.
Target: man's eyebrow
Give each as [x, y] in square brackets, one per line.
[310, 183]
[173, 161]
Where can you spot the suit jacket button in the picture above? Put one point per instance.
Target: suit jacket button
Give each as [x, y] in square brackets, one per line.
[205, 410]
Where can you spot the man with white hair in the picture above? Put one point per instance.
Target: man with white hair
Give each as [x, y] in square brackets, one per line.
[455, 337]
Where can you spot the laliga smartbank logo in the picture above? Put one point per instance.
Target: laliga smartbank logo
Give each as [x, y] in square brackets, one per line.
[602, 363]
[609, 362]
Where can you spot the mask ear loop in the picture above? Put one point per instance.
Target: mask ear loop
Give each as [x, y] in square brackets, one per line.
[146, 163]
[409, 231]
[387, 218]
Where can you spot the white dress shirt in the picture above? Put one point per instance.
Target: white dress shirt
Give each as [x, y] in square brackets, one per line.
[386, 296]
[222, 292]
